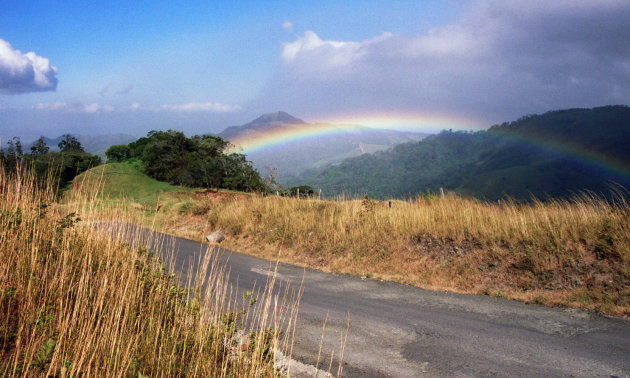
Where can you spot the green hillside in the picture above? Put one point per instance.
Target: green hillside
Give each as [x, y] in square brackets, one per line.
[126, 181]
[555, 154]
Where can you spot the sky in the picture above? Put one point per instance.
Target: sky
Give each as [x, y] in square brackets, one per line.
[102, 67]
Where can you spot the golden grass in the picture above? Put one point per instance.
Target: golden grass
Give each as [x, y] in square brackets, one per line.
[75, 303]
[565, 252]
[569, 252]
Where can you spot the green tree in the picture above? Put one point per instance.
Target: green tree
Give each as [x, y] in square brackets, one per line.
[10, 157]
[18, 146]
[70, 144]
[199, 161]
[118, 152]
[40, 147]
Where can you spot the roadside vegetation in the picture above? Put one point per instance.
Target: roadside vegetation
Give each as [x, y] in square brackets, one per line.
[573, 252]
[76, 303]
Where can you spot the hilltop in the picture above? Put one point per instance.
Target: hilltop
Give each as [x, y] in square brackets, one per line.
[262, 123]
[293, 159]
[555, 154]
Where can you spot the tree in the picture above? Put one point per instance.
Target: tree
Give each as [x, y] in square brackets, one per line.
[10, 158]
[40, 147]
[118, 152]
[70, 144]
[199, 161]
[18, 146]
[10, 149]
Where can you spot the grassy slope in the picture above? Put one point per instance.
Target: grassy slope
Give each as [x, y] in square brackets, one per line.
[563, 253]
[124, 181]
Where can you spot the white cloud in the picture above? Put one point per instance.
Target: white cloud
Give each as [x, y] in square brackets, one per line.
[501, 60]
[23, 73]
[311, 50]
[93, 108]
[74, 107]
[201, 107]
[287, 25]
[52, 106]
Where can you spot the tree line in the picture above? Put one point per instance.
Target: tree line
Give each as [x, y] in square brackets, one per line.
[63, 165]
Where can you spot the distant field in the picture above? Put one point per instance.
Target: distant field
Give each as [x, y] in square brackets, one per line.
[571, 252]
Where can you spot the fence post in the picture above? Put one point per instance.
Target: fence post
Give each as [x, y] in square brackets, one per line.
[442, 192]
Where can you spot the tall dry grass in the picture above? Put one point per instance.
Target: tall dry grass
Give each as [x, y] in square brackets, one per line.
[572, 252]
[75, 303]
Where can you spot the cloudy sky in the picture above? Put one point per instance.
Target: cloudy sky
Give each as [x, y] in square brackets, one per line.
[95, 67]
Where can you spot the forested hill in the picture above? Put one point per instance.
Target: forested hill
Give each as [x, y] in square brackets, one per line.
[199, 161]
[555, 154]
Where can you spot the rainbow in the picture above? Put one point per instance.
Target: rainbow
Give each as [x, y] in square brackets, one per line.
[578, 153]
[284, 135]
[288, 134]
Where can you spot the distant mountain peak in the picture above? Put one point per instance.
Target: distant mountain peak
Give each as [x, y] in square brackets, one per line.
[276, 117]
[265, 121]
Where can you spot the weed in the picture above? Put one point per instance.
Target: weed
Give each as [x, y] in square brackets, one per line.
[68, 221]
[44, 355]
[605, 244]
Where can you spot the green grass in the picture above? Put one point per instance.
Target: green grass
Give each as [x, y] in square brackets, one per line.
[125, 181]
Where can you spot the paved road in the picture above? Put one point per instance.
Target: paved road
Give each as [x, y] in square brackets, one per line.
[403, 331]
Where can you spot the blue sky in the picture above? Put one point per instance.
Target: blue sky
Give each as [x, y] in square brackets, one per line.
[201, 66]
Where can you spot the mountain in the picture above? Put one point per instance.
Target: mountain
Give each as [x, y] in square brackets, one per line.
[260, 124]
[556, 154]
[94, 144]
[333, 144]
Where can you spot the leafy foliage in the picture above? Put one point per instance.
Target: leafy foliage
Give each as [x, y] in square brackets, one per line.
[70, 144]
[64, 165]
[199, 161]
[117, 153]
[552, 155]
[40, 147]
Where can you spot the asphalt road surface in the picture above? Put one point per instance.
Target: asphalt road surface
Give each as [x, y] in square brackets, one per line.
[403, 331]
